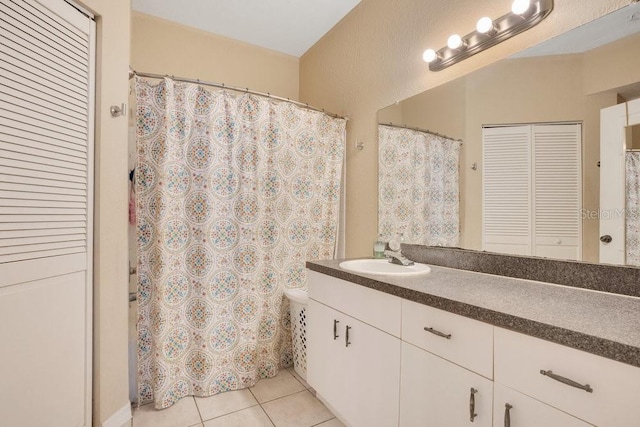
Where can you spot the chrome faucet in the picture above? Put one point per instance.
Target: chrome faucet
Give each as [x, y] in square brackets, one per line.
[396, 257]
[394, 253]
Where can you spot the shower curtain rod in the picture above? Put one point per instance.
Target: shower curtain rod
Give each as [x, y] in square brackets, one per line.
[133, 73]
[420, 130]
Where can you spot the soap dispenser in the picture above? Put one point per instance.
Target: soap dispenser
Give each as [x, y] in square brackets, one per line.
[378, 247]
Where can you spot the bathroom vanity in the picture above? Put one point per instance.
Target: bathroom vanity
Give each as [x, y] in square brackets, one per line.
[462, 348]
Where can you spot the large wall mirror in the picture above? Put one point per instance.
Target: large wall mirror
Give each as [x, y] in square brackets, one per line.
[550, 94]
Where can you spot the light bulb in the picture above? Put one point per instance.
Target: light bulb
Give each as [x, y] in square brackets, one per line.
[484, 25]
[429, 55]
[454, 42]
[520, 6]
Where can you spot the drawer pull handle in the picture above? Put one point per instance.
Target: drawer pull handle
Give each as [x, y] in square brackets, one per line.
[472, 404]
[346, 336]
[335, 329]
[438, 333]
[567, 381]
[507, 415]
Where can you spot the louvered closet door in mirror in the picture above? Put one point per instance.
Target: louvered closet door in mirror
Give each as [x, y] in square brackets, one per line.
[557, 191]
[506, 190]
[532, 192]
[46, 197]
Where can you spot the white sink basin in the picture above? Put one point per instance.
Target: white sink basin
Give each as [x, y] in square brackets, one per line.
[384, 268]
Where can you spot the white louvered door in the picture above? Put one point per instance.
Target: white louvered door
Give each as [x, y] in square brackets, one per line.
[557, 222]
[506, 216]
[46, 215]
[532, 193]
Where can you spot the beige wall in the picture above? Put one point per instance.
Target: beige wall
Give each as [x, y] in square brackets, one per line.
[613, 66]
[163, 47]
[110, 371]
[372, 58]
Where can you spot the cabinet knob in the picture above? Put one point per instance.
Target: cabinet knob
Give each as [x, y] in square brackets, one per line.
[606, 238]
[335, 329]
[346, 336]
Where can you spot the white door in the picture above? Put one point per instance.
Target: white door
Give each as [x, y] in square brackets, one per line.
[325, 354]
[372, 375]
[46, 190]
[435, 392]
[613, 121]
[354, 367]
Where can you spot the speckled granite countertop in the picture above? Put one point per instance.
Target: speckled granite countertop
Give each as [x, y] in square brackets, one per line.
[600, 323]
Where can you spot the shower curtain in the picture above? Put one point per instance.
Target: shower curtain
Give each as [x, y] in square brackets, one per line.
[632, 216]
[418, 186]
[234, 193]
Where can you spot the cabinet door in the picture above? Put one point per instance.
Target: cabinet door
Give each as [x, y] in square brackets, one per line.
[325, 354]
[435, 392]
[372, 376]
[360, 381]
[527, 412]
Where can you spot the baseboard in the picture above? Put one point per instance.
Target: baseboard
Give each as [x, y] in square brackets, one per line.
[121, 418]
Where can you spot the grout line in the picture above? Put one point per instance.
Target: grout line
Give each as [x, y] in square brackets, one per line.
[325, 421]
[283, 396]
[267, 414]
[195, 402]
[229, 413]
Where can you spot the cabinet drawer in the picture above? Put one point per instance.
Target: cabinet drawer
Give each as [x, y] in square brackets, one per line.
[370, 306]
[527, 412]
[613, 401]
[470, 343]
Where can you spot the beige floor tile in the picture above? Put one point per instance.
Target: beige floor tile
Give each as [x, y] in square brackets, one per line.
[331, 423]
[250, 417]
[293, 372]
[224, 403]
[183, 413]
[298, 410]
[281, 385]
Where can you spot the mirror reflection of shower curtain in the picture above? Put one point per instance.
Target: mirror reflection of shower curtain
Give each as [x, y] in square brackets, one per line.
[418, 186]
[632, 159]
[234, 192]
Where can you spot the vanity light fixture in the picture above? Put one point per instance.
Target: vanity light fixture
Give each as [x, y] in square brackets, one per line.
[524, 15]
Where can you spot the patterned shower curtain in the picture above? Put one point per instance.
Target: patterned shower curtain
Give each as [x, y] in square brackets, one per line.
[234, 193]
[633, 208]
[418, 186]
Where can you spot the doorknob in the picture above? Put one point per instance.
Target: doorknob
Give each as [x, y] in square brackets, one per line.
[606, 238]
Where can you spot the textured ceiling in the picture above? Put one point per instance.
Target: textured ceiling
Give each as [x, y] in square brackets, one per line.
[287, 26]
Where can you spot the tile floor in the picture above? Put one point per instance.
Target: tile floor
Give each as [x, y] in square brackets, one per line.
[281, 401]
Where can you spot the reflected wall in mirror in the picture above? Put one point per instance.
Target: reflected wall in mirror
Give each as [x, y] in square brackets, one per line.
[633, 137]
[568, 79]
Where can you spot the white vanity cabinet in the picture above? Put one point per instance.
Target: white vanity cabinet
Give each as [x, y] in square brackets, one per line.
[354, 366]
[411, 365]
